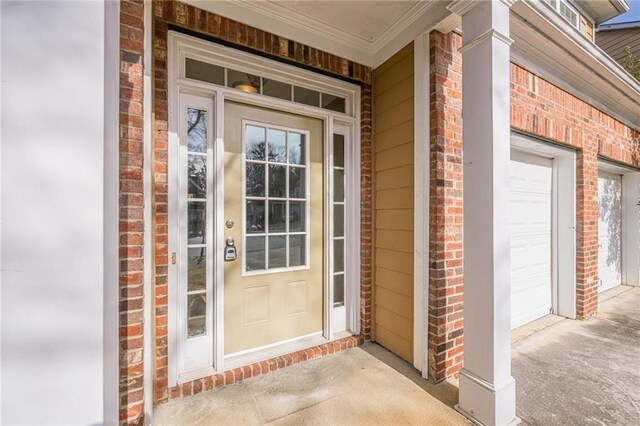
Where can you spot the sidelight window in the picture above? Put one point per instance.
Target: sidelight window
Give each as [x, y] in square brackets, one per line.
[197, 144]
[338, 220]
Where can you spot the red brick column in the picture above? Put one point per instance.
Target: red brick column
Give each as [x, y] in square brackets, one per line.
[160, 202]
[131, 212]
[587, 230]
[445, 215]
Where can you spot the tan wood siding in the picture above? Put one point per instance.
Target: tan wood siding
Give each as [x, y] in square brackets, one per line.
[614, 41]
[393, 224]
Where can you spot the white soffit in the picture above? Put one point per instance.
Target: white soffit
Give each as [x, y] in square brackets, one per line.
[366, 32]
[550, 47]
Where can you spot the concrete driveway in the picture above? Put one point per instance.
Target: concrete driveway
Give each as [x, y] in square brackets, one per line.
[582, 372]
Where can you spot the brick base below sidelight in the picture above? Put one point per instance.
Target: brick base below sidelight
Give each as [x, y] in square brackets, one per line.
[263, 367]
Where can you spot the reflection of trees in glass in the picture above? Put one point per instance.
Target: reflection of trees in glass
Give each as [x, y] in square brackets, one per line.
[255, 180]
[255, 150]
[296, 148]
[277, 153]
[197, 308]
[197, 177]
[197, 142]
[196, 130]
[296, 182]
[197, 221]
[608, 211]
[277, 181]
[197, 270]
[255, 216]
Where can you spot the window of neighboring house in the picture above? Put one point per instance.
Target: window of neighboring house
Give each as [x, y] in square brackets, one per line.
[572, 16]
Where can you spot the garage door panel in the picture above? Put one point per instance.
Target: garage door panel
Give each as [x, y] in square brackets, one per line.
[609, 230]
[530, 227]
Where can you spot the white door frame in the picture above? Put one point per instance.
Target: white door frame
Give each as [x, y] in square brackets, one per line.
[180, 46]
[630, 229]
[563, 218]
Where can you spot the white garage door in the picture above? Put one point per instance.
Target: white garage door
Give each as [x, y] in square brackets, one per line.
[609, 230]
[530, 226]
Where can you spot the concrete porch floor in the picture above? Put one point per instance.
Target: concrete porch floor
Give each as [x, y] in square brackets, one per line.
[360, 386]
[567, 373]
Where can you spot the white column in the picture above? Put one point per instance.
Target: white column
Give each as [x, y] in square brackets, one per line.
[487, 390]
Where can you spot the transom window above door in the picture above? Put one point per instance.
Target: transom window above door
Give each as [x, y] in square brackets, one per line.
[276, 198]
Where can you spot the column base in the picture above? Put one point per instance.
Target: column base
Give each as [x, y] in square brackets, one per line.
[485, 403]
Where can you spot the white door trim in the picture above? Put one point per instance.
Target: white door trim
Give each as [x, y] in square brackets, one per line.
[421, 190]
[181, 46]
[563, 218]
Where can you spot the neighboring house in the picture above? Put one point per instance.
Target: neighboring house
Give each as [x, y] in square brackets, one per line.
[613, 38]
[199, 192]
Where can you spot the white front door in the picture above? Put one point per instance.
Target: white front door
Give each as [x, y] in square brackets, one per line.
[531, 262]
[609, 230]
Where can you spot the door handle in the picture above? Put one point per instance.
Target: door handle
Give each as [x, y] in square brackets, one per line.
[173, 258]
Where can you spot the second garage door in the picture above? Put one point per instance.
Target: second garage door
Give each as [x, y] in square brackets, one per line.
[531, 265]
[609, 230]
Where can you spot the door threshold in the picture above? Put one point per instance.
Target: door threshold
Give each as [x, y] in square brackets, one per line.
[240, 359]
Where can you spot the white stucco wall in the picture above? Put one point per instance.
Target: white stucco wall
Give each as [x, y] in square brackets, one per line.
[58, 343]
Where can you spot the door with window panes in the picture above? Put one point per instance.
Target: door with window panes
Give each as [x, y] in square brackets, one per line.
[273, 186]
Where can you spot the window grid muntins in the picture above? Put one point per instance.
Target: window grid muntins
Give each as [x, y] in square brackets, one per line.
[276, 198]
[196, 247]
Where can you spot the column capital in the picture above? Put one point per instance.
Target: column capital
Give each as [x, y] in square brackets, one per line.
[461, 7]
[489, 34]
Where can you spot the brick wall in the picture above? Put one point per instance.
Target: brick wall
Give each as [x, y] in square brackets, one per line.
[131, 213]
[210, 24]
[538, 108]
[542, 109]
[445, 208]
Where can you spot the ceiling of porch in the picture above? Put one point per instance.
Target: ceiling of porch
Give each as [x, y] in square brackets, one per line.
[364, 31]
[366, 21]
